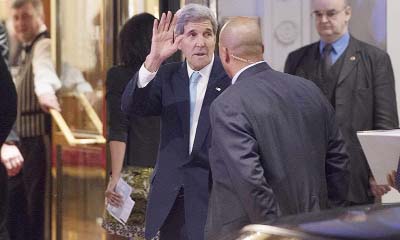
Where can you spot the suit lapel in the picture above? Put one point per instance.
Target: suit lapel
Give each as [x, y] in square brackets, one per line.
[310, 63]
[181, 82]
[214, 87]
[351, 59]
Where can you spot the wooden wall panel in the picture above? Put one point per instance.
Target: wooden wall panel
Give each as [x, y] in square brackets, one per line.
[47, 13]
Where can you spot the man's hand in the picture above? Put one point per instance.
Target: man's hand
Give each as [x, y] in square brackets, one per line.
[391, 179]
[378, 190]
[112, 197]
[49, 101]
[163, 42]
[12, 159]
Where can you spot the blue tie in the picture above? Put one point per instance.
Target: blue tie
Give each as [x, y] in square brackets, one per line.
[194, 80]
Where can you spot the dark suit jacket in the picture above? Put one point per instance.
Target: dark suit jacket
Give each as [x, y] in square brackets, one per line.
[168, 96]
[276, 150]
[8, 112]
[365, 100]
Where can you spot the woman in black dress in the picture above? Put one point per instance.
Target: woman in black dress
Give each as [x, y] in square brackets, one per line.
[133, 140]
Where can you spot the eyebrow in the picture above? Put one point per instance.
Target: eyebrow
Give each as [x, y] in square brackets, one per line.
[195, 30]
[328, 10]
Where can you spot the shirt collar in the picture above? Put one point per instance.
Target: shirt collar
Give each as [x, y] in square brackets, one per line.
[205, 72]
[338, 46]
[234, 79]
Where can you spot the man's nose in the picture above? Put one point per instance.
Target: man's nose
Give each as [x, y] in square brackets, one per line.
[324, 18]
[200, 41]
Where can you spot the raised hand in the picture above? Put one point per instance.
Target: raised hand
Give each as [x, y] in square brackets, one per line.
[163, 43]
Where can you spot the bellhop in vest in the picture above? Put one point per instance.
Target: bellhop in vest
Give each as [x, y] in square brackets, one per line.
[31, 120]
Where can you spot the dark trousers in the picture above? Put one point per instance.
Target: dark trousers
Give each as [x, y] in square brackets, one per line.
[27, 191]
[3, 203]
[174, 226]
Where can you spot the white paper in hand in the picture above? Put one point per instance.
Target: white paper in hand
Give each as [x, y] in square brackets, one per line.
[122, 213]
[382, 150]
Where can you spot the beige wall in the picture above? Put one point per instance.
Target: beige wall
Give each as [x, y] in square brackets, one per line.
[393, 40]
[3, 9]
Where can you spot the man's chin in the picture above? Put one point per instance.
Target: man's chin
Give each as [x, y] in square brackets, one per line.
[326, 35]
[23, 39]
[197, 65]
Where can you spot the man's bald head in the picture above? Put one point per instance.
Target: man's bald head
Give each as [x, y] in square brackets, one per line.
[331, 18]
[242, 36]
[343, 2]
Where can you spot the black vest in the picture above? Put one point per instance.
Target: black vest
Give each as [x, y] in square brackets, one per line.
[327, 80]
[31, 120]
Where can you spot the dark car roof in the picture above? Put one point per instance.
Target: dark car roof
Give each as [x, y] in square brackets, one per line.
[378, 221]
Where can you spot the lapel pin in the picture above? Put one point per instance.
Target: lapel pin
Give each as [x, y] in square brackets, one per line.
[218, 89]
[352, 58]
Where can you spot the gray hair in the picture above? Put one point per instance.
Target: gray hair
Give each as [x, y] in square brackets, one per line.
[37, 5]
[195, 13]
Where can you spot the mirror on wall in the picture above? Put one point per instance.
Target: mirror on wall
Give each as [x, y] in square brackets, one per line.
[368, 21]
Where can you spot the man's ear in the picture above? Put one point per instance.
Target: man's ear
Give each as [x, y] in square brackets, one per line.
[348, 13]
[227, 57]
[180, 45]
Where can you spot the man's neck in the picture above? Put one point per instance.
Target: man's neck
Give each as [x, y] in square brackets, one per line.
[237, 72]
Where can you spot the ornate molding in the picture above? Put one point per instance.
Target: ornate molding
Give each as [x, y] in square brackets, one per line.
[286, 32]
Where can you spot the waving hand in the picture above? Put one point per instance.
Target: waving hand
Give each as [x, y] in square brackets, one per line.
[163, 43]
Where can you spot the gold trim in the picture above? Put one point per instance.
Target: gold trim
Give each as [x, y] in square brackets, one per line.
[83, 172]
[70, 136]
[91, 112]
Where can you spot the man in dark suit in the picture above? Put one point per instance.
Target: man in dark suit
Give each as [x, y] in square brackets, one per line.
[276, 149]
[181, 94]
[357, 79]
[8, 113]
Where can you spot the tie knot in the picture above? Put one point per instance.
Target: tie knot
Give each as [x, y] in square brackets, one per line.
[27, 48]
[195, 77]
[327, 49]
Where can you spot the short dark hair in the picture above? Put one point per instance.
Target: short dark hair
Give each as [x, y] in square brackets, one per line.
[37, 5]
[135, 39]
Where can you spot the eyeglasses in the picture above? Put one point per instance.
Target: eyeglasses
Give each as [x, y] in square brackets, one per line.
[331, 14]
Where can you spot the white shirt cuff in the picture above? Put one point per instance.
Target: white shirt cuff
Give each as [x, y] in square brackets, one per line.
[145, 76]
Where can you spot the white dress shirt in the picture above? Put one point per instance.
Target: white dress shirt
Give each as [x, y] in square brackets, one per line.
[242, 70]
[145, 77]
[45, 78]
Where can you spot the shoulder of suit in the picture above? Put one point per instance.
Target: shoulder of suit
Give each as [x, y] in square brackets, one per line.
[368, 49]
[302, 50]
